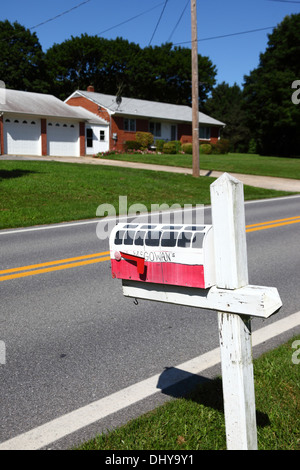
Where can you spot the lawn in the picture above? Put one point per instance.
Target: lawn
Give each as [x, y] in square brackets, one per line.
[231, 162]
[196, 422]
[35, 193]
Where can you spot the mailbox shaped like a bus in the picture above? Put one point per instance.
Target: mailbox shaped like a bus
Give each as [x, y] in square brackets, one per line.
[179, 255]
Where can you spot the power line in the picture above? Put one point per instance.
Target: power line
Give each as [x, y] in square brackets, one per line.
[130, 19]
[284, 1]
[226, 35]
[164, 7]
[180, 18]
[61, 14]
[46, 21]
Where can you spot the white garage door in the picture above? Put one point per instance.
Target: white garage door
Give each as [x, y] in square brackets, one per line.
[22, 136]
[63, 139]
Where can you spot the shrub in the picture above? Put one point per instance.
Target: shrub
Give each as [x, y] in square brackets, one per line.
[222, 146]
[131, 145]
[145, 139]
[169, 148]
[252, 146]
[159, 145]
[205, 148]
[187, 148]
[177, 144]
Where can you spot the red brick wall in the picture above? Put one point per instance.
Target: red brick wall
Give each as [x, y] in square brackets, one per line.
[90, 106]
[214, 135]
[117, 127]
[44, 137]
[142, 125]
[82, 138]
[185, 134]
[1, 136]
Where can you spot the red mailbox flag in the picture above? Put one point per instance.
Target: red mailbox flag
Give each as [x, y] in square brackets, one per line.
[139, 261]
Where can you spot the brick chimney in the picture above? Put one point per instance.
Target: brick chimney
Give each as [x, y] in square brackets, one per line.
[91, 89]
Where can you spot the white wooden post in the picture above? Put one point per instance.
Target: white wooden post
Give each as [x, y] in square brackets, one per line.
[228, 219]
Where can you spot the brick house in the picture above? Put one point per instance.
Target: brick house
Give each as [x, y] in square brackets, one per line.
[128, 116]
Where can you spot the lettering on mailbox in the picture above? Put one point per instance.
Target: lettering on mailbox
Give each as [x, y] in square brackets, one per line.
[163, 256]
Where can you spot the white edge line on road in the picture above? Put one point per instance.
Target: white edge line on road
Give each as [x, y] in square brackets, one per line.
[47, 227]
[63, 426]
[121, 217]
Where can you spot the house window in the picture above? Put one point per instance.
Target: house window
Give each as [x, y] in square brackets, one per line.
[204, 133]
[89, 138]
[155, 128]
[129, 125]
[7, 120]
[102, 136]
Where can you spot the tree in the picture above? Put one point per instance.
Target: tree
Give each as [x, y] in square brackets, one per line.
[81, 61]
[117, 67]
[168, 75]
[160, 73]
[21, 58]
[226, 105]
[272, 117]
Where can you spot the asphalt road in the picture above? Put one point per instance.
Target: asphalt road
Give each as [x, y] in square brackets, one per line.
[72, 338]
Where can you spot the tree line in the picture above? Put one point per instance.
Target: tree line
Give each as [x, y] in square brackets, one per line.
[260, 117]
[112, 66]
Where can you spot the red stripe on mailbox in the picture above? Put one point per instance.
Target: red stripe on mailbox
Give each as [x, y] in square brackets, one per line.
[160, 273]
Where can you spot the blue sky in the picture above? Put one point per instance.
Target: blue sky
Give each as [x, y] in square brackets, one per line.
[233, 56]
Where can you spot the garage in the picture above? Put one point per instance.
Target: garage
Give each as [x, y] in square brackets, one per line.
[63, 138]
[39, 125]
[22, 136]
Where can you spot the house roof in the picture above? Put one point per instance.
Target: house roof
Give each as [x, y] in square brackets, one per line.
[146, 109]
[38, 104]
[90, 117]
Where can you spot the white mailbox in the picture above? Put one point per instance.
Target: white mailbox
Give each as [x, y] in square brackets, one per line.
[178, 255]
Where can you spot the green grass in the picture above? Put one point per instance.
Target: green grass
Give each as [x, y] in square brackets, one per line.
[36, 193]
[232, 162]
[197, 422]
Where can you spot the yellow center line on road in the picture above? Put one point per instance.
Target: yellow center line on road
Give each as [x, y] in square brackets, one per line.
[51, 266]
[273, 223]
[59, 265]
[52, 263]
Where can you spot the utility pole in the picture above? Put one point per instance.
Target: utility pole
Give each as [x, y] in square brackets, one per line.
[195, 90]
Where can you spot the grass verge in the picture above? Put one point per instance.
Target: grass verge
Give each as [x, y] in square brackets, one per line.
[231, 162]
[197, 422]
[36, 193]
